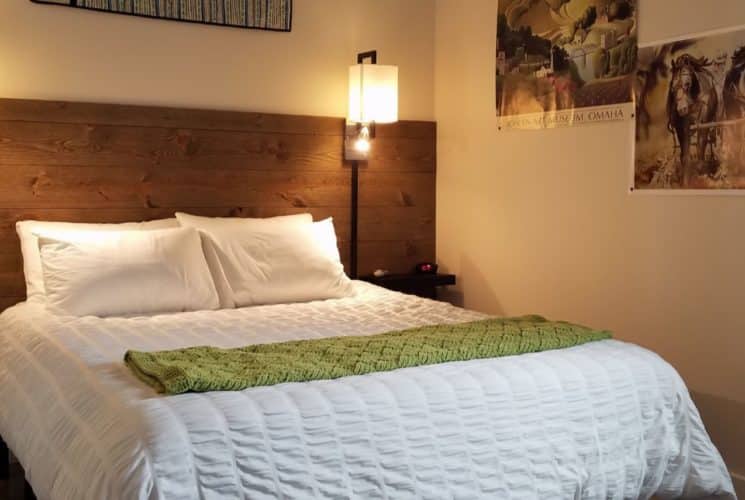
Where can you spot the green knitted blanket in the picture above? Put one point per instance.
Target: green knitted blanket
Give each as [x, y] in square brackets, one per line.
[202, 369]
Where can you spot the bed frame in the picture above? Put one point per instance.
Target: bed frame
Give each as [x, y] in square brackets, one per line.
[4, 460]
[89, 162]
[28, 492]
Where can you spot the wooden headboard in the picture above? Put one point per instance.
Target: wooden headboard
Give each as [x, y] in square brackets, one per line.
[88, 162]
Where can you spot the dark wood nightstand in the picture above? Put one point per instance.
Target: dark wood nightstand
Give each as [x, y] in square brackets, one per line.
[423, 285]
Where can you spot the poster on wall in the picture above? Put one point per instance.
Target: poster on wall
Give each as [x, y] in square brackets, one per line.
[690, 130]
[564, 62]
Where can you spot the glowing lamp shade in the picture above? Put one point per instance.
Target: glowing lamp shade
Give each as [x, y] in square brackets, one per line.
[373, 93]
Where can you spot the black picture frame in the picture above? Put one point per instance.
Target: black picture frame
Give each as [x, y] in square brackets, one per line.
[73, 4]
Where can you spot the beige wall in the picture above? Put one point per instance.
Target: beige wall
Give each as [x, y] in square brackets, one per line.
[50, 52]
[542, 221]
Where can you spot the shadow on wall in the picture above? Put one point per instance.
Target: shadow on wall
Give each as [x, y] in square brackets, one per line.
[470, 274]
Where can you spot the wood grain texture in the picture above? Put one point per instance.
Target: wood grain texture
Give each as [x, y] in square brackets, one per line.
[156, 116]
[86, 162]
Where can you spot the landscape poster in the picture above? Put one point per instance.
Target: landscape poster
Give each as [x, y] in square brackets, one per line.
[690, 131]
[565, 62]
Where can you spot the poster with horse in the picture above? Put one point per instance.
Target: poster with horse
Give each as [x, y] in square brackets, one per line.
[564, 62]
[690, 120]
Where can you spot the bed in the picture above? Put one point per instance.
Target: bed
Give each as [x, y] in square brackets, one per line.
[605, 419]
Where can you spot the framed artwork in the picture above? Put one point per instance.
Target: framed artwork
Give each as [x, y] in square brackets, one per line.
[273, 15]
[690, 130]
[564, 62]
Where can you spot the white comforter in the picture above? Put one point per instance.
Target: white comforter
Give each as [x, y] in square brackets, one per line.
[602, 420]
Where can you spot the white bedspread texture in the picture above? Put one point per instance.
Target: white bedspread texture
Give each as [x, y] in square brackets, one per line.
[602, 420]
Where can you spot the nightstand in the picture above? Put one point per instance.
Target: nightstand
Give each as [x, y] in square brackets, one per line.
[423, 285]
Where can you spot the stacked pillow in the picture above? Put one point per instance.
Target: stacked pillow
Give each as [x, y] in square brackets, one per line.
[30, 230]
[271, 261]
[183, 264]
[117, 273]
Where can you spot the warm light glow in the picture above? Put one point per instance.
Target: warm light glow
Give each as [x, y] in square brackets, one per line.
[362, 145]
[373, 93]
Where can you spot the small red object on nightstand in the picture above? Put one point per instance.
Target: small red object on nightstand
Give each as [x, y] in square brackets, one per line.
[426, 268]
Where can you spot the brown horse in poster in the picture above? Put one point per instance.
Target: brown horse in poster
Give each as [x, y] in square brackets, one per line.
[692, 100]
[733, 95]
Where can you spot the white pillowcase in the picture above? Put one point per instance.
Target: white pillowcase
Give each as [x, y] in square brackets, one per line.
[227, 225]
[270, 261]
[116, 273]
[326, 238]
[27, 231]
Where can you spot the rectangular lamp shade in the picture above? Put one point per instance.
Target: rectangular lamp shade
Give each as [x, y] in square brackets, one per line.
[373, 93]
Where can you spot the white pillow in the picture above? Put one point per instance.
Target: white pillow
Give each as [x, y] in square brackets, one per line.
[269, 261]
[115, 273]
[222, 284]
[326, 237]
[27, 231]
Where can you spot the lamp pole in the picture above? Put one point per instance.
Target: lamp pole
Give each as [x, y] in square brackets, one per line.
[372, 55]
[353, 229]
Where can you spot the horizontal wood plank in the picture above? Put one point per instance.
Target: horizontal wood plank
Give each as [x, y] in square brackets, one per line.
[12, 283]
[408, 129]
[23, 143]
[6, 302]
[400, 189]
[396, 223]
[11, 261]
[126, 187]
[60, 144]
[157, 116]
